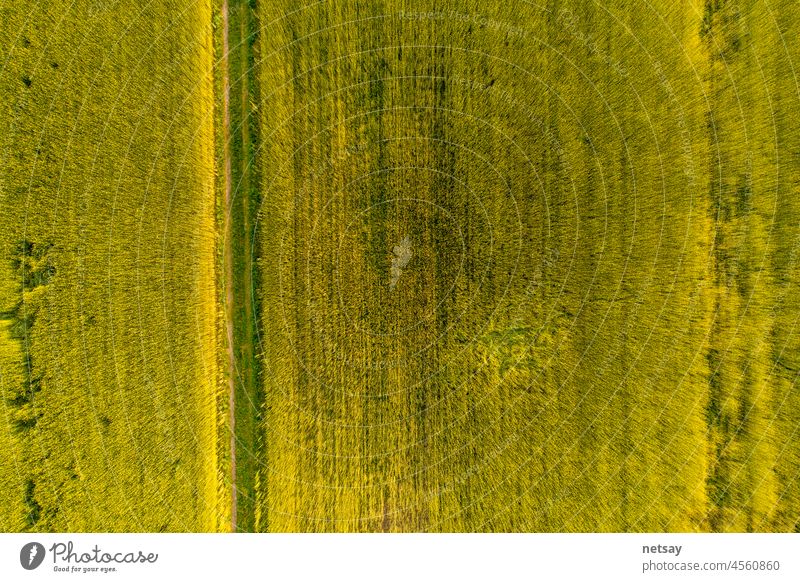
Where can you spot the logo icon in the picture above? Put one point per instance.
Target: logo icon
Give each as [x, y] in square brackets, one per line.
[31, 555]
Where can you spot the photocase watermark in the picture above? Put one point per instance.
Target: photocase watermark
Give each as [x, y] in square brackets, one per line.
[547, 133]
[97, 7]
[550, 259]
[567, 18]
[476, 19]
[326, 167]
[66, 558]
[31, 555]
[686, 140]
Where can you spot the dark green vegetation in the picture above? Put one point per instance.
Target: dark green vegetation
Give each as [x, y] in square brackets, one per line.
[753, 403]
[240, 195]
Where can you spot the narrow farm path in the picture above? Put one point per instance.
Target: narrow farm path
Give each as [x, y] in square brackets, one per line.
[229, 267]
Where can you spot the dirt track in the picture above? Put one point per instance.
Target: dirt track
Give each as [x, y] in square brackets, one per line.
[228, 260]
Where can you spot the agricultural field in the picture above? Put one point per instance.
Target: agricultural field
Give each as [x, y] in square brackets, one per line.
[528, 267]
[108, 303]
[400, 265]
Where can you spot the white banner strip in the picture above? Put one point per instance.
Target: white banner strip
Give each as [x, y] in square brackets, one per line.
[406, 557]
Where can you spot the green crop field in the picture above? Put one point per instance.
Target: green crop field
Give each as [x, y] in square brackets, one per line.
[400, 265]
